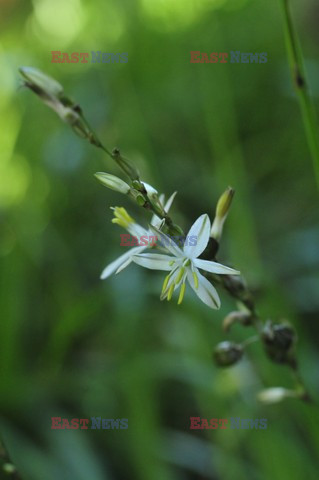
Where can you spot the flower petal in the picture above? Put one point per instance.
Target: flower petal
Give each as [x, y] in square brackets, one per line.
[112, 267]
[156, 221]
[169, 202]
[154, 261]
[168, 242]
[124, 265]
[137, 230]
[151, 191]
[214, 267]
[200, 231]
[205, 291]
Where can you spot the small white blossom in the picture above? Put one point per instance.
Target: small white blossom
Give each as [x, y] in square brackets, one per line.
[184, 264]
[123, 219]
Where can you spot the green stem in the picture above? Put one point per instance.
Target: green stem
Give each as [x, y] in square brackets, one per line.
[300, 386]
[299, 80]
[250, 340]
[127, 168]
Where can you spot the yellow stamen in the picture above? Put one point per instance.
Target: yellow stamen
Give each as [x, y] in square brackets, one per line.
[122, 218]
[165, 283]
[170, 292]
[195, 277]
[179, 276]
[181, 294]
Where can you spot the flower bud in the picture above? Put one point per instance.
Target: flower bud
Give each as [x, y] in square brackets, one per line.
[144, 187]
[279, 341]
[41, 84]
[244, 318]
[112, 182]
[130, 170]
[222, 209]
[227, 353]
[140, 199]
[275, 394]
[49, 91]
[237, 287]
[52, 94]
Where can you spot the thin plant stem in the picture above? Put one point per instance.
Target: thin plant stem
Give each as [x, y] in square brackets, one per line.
[300, 83]
[250, 340]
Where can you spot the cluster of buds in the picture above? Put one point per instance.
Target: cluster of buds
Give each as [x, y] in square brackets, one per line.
[278, 340]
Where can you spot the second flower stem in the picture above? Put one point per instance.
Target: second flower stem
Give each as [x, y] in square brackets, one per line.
[300, 83]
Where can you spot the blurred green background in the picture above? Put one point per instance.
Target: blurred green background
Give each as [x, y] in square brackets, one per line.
[74, 346]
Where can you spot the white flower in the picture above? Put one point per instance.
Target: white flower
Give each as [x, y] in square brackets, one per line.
[123, 219]
[112, 182]
[184, 264]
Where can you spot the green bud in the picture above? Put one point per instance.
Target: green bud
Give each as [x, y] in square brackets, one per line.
[126, 166]
[224, 203]
[222, 209]
[112, 182]
[140, 199]
[69, 115]
[137, 185]
[227, 353]
[236, 286]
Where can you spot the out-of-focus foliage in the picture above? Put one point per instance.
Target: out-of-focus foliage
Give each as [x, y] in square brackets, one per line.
[73, 346]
